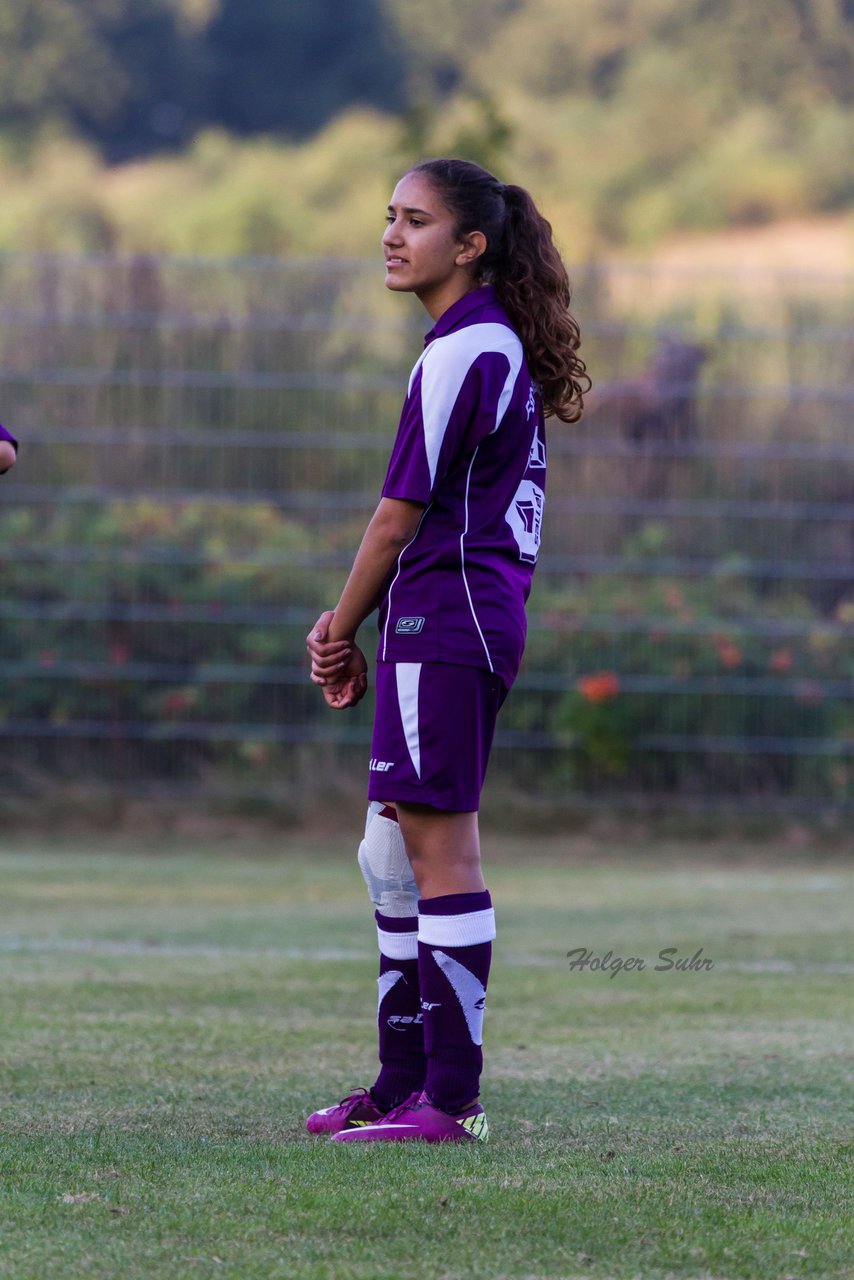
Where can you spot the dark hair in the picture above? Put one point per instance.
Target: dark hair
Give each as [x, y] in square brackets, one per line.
[522, 263]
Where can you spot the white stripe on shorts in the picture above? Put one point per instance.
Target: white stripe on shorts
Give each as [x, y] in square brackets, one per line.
[408, 675]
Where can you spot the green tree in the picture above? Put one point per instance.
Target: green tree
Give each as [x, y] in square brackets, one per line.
[443, 37]
[283, 65]
[54, 62]
[118, 72]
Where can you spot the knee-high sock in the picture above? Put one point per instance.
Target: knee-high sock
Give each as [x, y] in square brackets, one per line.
[399, 1018]
[455, 935]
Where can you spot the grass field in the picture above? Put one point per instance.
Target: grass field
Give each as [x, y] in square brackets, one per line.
[170, 1016]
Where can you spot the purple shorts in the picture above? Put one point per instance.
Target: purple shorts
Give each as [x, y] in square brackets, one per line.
[433, 730]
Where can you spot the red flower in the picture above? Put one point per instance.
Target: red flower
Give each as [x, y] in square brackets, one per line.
[602, 686]
[728, 653]
[781, 660]
[176, 701]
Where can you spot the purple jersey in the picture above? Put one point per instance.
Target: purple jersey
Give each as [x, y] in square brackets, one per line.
[471, 447]
[6, 435]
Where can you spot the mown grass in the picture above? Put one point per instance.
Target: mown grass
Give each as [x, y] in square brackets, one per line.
[170, 1017]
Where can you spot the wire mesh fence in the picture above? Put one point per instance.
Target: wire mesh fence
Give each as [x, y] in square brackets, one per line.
[203, 441]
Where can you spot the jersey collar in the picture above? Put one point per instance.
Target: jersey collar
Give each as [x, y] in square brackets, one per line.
[456, 314]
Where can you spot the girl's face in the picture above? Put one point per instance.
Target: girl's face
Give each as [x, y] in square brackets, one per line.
[422, 253]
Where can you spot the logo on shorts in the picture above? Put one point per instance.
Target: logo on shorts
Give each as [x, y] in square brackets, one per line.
[409, 626]
[380, 766]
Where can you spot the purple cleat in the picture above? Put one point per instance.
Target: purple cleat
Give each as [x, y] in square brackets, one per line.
[417, 1119]
[352, 1112]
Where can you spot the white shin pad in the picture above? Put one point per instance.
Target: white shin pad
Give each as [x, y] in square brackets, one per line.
[385, 866]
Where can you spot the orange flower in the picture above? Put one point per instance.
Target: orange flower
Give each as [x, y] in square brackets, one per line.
[602, 686]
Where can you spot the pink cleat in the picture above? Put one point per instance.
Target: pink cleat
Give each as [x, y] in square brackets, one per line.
[418, 1120]
[352, 1112]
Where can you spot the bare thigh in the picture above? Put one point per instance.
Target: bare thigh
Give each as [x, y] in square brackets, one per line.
[443, 849]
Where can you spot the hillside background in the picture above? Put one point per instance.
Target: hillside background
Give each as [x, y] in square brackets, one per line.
[203, 436]
[276, 127]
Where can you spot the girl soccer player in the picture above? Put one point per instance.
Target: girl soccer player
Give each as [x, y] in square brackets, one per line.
[8, 449]
[448, 557]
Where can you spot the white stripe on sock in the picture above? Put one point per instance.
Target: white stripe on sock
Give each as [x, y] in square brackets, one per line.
[457, 931]
[468, 989]
[385, 982]
[398, 946]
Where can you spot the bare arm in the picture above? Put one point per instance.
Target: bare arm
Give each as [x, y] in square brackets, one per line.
[7, 456]
[337, 663]
[393, 525]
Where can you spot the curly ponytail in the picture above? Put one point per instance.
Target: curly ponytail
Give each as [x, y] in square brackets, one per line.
[525, 268]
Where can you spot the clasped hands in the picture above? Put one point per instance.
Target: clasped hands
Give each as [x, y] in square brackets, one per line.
[338, 666]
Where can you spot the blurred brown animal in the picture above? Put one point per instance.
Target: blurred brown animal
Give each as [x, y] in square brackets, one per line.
[653, 411]
[659, 405]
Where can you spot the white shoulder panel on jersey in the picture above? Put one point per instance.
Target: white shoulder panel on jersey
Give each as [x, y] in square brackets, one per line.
[444, 366]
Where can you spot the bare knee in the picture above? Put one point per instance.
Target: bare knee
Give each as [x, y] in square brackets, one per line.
[443, 850]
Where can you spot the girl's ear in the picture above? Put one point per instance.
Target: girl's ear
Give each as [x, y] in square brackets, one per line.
[474, 246]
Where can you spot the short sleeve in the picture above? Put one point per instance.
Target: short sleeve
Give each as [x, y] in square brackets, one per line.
[7, 435]
[408, 474]
[458, 394]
